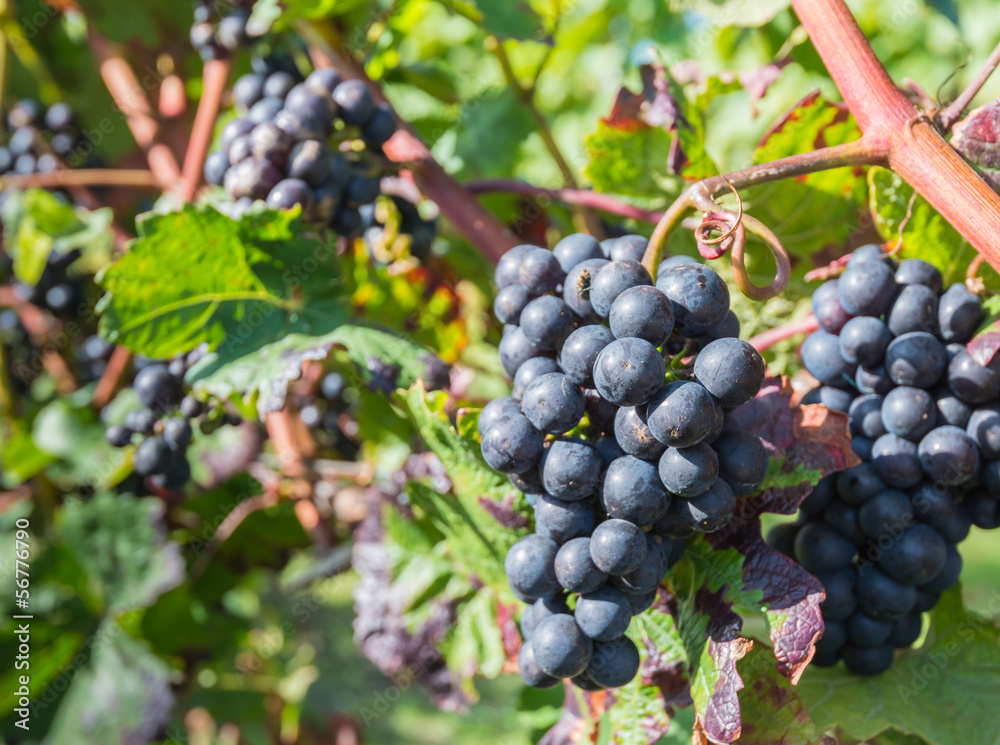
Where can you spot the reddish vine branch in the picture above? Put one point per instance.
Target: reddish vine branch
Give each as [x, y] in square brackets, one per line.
[769, 338]
[215, 75]
[82, 177]
[580, 197]
[953, 112]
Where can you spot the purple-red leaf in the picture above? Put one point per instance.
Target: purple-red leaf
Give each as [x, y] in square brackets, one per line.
[722, 722]
[977, 138]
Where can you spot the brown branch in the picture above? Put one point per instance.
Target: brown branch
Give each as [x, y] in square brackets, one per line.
[215, 75]
[111, 379]
[65, 177]
[130, 98]
[479, 226]
[769, 338]
[581, 197]
[953, 112]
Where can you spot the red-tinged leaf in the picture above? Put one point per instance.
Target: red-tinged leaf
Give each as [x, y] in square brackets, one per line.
[977, 138]
[504, 512]
[577, 723]
[805, 443]
[626, 111]
[510, 634]
[721, 722]
[756, 82]
[986, 343]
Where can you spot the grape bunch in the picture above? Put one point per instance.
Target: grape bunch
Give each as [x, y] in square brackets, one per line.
[42, 140]
[163, 425]
[217, 35]
[925, 420]
[620, 454]
[315, 143]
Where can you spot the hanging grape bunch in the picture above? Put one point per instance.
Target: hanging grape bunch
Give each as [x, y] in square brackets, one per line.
[216, 35]
[163, 427]
[621, 455]
[925, 421]
[314, 143]
[42, 140]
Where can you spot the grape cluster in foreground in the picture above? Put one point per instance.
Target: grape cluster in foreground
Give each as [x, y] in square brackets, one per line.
[925, 421]
[315, 143]
[620, 459]
[163, 426]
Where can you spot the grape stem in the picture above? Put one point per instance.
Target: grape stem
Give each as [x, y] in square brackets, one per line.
[215, 75]
[582, 197]
[953, 112]
[112, 377]
[769, 338]
[82, 177]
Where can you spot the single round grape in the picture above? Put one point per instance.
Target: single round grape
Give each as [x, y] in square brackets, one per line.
[633, 491]
[865, 631]
[515, 350]
[380, 128]
[873, 380]
[822, 358]
[575, 569]
[868, 661]
[906, 631]
[820, 548]
[118, 435]
[841, 594]
[925, 601]
[699, 296]
[531, 370]
[828, 647]
[950, 408]
[561, 648]
[731, 370]
[648, 575]
[915, 309]
[614, 663]
[688, 472]
[972, 382]
[530, 567]
[888, 513]
[919, 272]
[709, 511]
[984, 428]
[782, 538]
[934, 503]
[540, 271]
[215, 169]
[880, 596]
[252, 178]
[152, 456]
[141, 421]
[867, 253]
[581, 350]
[325, 79]
[576, 288]
[547, 321]
[629, 371]
[949, 455]
[827, 308]
[177, 433]
[866, 416]
[531, 674]
[743, 460]
[290, 192]
[157, 389]
[947, 576]
[863, 341]
[612, 280]
[957, 529]
[858, 484]
[628, 248]
[896, 461]
[174, 476]
[575, 249]
[835, 399]
[866, 288]
[915, 557]
[603, 615]
[512, 444]
[909, 412]
[642, 312]
[680, 414]
[494, 410]
[571, 469]
[820, 497]
[617, 547]
[634, 437]
[510, 302]
[843, 518]
[509, 267]
[354, 102]
[562, 521]
[270, 142]
[959, 314]
[553, 403]
[311, 161]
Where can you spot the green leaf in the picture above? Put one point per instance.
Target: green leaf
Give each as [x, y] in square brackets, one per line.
[22, 459]
[122, 696]
[267, 371]
[724, 13]
[926, 235]
[36, 224]
[773, 712]
[945, 691]
[197, 276]
[73, 435]
[119, 542]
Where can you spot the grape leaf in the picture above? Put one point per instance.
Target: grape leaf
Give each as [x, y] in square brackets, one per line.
[977, 138]
[986, 342]
[197, 276]
[926, 235]
[820, 210]
[37, 224]
[944, 691]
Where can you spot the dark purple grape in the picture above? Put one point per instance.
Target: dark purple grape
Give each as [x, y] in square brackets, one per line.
[152, 456]
[880, 596]
[867, 253]
[325, 79]
[612, 280]
[157, 389]
[709, 511]
[141, 421]
[252, 178]
[863, 341]
[531, 370]
[866, 416]
[562, 521]
[354, 102]
[950, 408]
[782, 538]
[959, 314]
[515, 350]
[649, 574]
[177, 433]
[888, 513]
[580, 352]
[908, 412]
[310, 161]
[571, 469]
[494, 410]
[575, 569]
[278, 84]
[820, 497]
[917, 359]
[305, 98]
[613, 663]
[265, 110]
[600, 413]
[688, 472]
[835, 399]
[576, 288]
[540, 272]
[632, 491]
[972, 382]
[915, 309]
[866, 288]
[957, 529]
[629, 371]
[380, 128]
[822, 358]
[247, 91]
[728, 327]
[868, 661]
[25, 113]
[530, 567]
[512, 445]
[984, 428]
[216, 165]
[531, 674]
[731, 370]
[680, 414]
[553, 403]
[934, 504]
[232, 29]
[289, 193]
[906, 631]
[627, 248]
[896, 461]
[699, 296]
[873, 380]
[118, 436]
[915, 557]
[865, 631]
[634, 437]
[575, 249]
[509, 266]
[672, 525]
[671, 261]
[617, 547]
[949, 455]
[561, 649]
[841, 594]
[827, 308]
[820, 548]
[603, 615]
[948, 575]
[510, 302]
[642, 312]
[743, 460]
[240, 149]
[919, 272]
[829, 646]
[547, 321]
